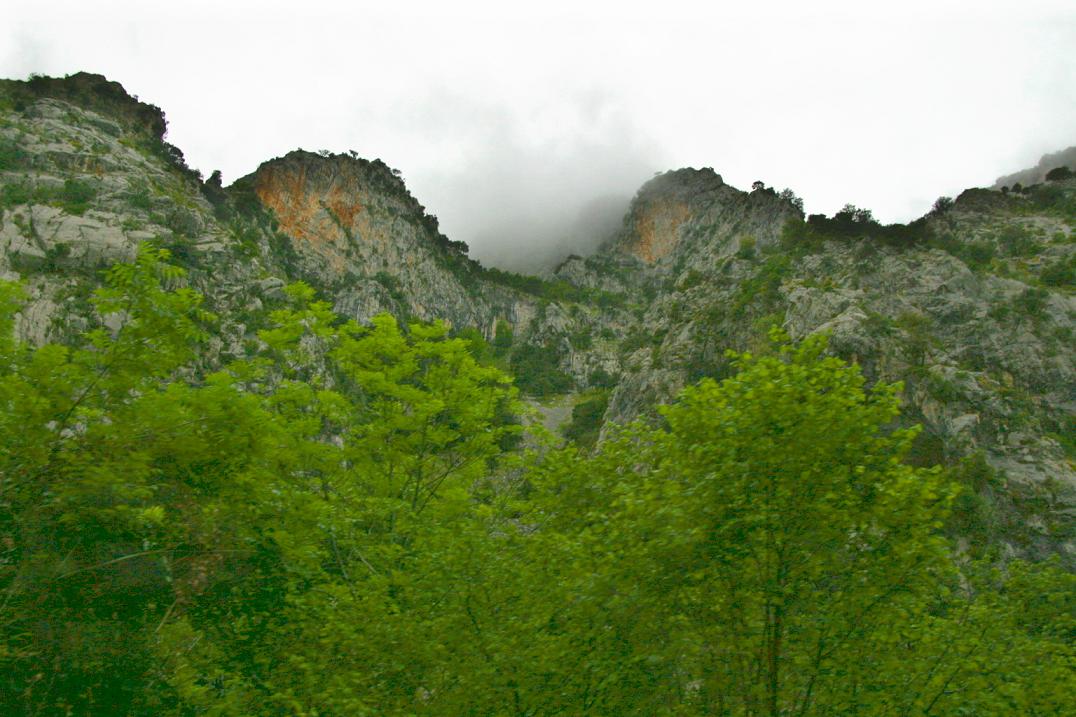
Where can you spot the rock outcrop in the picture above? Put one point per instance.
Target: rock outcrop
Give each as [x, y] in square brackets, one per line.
[972, 307]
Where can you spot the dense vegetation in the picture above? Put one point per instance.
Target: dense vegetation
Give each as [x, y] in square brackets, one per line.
[342, 524]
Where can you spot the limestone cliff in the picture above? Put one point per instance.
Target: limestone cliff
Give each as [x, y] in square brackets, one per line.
[972, 307]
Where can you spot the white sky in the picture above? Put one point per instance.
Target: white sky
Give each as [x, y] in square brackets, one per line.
[507, 118]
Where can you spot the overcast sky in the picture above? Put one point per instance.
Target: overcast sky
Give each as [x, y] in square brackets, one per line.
[509, 120]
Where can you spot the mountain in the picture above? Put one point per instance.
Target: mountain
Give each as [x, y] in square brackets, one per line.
[971, 306]
[1034, 175]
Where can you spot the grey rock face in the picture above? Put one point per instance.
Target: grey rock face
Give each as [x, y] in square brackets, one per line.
[975, 315]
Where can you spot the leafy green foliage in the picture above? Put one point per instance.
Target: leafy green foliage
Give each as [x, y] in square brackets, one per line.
[535, 368]
[12, 156]
[1061, 273]
[587, 418]
[850, 224]
[344, 524]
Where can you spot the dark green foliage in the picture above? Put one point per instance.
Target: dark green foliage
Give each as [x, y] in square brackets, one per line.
[1016, 240]
[977, 255]
[180, 248]
[763, 287]
[345, 523]
[1060, 273]
[918, 340]
[581, 340]
[850, 224]
[1055, 198]
[637, 339]
[503, 338]
[14, 194]
[74, 196]
[392, 285]
[693, 279]
[183, 222]
[139, 197]
[789, 196]
[245, 235]
[55, 255]
[600, 378]
[77, 195]
[12, 156]
[1059, 174]
[558, 290]
[942, 205]
[975, 512]
[536, 371]
[1031, 302]
[587, 418]
[747, 248]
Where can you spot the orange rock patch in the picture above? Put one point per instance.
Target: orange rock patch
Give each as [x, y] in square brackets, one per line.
[297, 205]
[658, 229]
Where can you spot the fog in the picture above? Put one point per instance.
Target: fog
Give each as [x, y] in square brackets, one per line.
[526, 128]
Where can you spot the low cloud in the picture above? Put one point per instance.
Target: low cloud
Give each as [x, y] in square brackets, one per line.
[525, 198]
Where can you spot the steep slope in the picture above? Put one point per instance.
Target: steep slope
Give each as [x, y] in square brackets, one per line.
[87, 176]
[972, 307]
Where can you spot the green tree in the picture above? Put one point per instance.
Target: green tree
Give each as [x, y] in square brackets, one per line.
[764, 537]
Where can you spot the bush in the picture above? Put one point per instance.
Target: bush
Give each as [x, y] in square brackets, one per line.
[536, 372]
[14, 194]
[976, 255]
[747, 248]
[11, 156]
[76, 196]
[587, 418]
[581, 340]
[1060, 273]
[600, 378]
[392, 285]
[942, 205]
[1059, 173]
[139, 197]
[503, 337]
[1017, 241]
[1032, 302]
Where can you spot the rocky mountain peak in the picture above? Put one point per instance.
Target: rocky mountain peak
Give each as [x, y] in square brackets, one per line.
[91, 92]
[674, 209]
[341, 208]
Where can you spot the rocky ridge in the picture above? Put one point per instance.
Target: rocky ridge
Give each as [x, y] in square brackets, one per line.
[972, 307]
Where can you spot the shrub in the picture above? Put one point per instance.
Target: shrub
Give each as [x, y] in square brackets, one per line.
[536, 372]
[1059, 173]
[76, 196]
[581, 340]
[139, 197]
[503, 337]
[11, 155]
[1017, 241]
[587, 418]
[1031, 302]
[391, 284]
[15, 194]
[976, 255]
[942, 205]
[600, 378]
[747, 248]
[1060, 273]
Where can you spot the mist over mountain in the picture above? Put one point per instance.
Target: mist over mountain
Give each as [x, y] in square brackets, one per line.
[1036, 174]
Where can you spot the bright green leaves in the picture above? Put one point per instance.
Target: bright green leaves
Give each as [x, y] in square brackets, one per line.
[335, 526]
